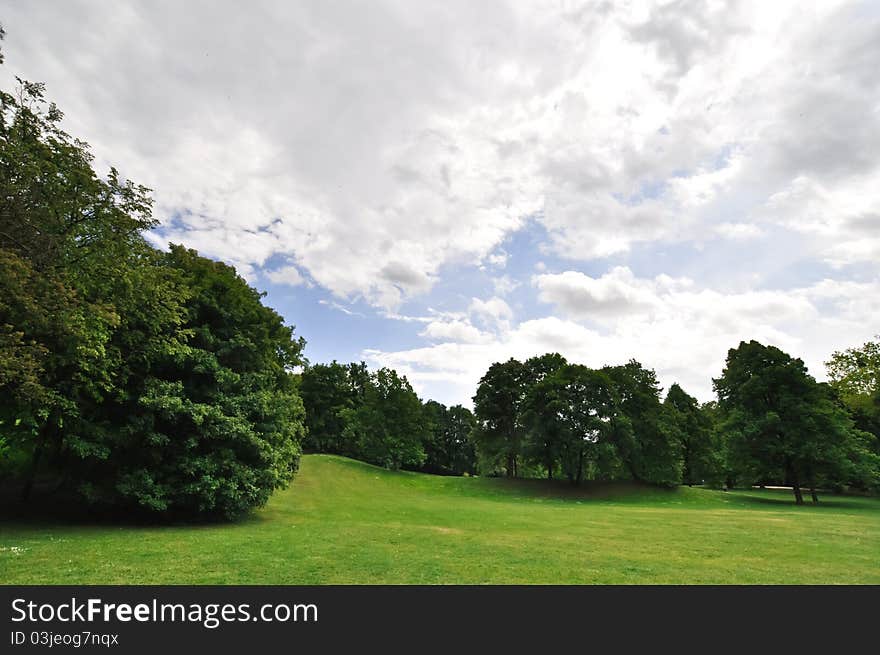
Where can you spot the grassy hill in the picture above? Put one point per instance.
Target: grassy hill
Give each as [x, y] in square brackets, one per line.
[347, 522]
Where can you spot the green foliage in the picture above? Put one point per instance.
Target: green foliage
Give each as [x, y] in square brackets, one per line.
[856, 371]
[691, 426]
[211, 423]
[586, 410]
[648, 452]
[497, 406]
[377, 417]
[782, 424]
[131, 377]
[597, 424]
[66, 236]
[448, 446]
[855, 377]
[326, 391]
[389, 426]
[542, 440]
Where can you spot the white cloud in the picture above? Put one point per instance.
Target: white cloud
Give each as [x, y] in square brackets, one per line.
[377, 144]
[739, 231]
[339, 308]
[504, 285]
[668, 324]
[454, 331]
[288, 275]
[615, 294]
[843, 219]
[381, 147]
[494, 312]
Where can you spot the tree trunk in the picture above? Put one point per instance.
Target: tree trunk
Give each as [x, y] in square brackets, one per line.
[32, 474]
[550, 470]
[798, 496]
[813, 494]
[688, 476]
[794, 479]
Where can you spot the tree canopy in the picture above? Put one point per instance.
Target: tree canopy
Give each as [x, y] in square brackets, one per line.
[782, 424]
[855, 376]
[130, 377]
[497, 406]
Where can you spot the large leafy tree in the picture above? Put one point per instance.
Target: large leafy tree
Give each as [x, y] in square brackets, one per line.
[43, 330]
[67, 237]
[684, 420]
[448, 447]
[389, 426]
[649, 453]
[214, 423]
[129, 376]
[855, 376]
[542, 439]
[498, 407]
[326, 391]
[781, 423]
[586, 409]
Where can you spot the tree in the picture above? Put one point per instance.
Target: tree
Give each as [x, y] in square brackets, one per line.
[39, 342]
[326, 391]
[210, 424]
[542, 437]
[497, 406]
[856, 371]
[855, 376]
[649, 453]
[461, 424]
[389, 426]
[571, 416]
[781, 422]
[67, 236]
[586, 410]
[448, 447]
[130, 377]
[685, 421]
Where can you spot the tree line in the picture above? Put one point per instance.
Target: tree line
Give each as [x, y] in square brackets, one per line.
[377, 417]
[772, 422]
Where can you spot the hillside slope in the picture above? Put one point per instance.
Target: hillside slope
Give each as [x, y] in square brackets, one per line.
[347, 522]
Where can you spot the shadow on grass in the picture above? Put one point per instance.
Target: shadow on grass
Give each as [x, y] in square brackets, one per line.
[488, 486]
[65, 510]
[564, 490]
[783, 499]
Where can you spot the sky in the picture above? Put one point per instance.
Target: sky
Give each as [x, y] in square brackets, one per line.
[435, 186]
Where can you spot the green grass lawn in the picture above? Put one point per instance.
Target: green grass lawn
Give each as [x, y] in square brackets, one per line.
[347, 522]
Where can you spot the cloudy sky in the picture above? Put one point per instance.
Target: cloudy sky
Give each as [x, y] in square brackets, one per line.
[435, 186]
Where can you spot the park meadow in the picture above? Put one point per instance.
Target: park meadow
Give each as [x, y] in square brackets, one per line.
[160, 424]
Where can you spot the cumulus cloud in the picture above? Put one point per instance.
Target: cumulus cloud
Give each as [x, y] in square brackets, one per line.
[377, 149]
[669, 324]
[376, 144]
[454, 331]
[615, 294]
[288, 275]
[504, 285]
[494, 312]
